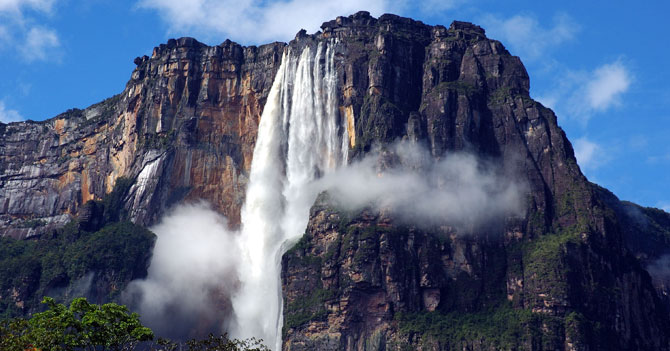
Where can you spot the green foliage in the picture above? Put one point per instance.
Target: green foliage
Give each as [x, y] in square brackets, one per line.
[117, 250]
[303, 310]
[499, 96]
[223, 343]
[118, 247]
[456, 85]
[33, 267]
[543, 259]
[33, 223]
[82, 326]
[503, 328]
[113, 202]
[159, 141]
[86, 326]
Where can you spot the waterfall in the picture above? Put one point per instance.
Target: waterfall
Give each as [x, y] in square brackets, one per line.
[299, 139]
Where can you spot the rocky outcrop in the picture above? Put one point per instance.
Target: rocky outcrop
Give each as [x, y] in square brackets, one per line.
[561, 277]
[183, 128]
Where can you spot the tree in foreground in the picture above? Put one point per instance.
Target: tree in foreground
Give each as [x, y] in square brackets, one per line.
[82, 326]
[86, 326]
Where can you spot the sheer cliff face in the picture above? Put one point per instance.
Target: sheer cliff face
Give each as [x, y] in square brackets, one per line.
[566, 275]
[561, 277]
[184, 128]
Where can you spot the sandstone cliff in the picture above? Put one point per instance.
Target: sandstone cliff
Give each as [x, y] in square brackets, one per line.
[183, 128]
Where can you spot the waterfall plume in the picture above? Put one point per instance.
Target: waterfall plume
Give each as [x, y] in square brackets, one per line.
[299, 139]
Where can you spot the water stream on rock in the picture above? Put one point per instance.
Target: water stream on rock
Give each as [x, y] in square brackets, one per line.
[299, 140]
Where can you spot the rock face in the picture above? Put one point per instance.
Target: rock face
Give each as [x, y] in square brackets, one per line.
[573, 273]
[183, 128]
[565, 276]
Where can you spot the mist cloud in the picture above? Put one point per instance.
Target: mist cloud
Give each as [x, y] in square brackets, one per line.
[191, 276]
[460, 190]
[659, 270]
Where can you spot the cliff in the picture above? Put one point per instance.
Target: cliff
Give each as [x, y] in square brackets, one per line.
[567, 275]
[183, 128]
[572, 273]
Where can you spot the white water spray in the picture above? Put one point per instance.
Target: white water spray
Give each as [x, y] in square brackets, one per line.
[299, 140]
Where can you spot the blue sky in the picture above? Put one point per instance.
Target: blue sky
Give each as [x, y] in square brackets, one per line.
[601, 65]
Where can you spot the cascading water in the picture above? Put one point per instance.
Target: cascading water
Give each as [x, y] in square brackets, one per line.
[299, 140]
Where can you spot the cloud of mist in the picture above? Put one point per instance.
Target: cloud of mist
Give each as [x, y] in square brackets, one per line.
[78, 288]
[191, 276]
[459, 190]
[659, 271]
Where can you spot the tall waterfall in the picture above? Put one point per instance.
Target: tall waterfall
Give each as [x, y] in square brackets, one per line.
[299, 139]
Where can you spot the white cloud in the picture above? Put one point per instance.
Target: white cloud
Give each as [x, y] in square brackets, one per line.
[580, 95]
[589, 154]
[33, 42]
[526, 37]
[255, 21]
[16, 6]
[7, 115]
[460, 189]
[606, 86]
[191, 274]
[40, 44]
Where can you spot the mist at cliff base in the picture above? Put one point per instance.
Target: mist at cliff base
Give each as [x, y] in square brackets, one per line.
[192, 274]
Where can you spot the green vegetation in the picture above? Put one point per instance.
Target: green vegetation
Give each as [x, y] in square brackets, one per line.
[456, 85]
[112, 203]
[33, 223]
[86, 326]
[30, 269]
[160, 141]
[544, 261]
[503, 328]
[307, 309]
[380, 117]
[541, 256]
[82, 326]
[526, 100]
[499, 96]
[114, 249]
[222, 343]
